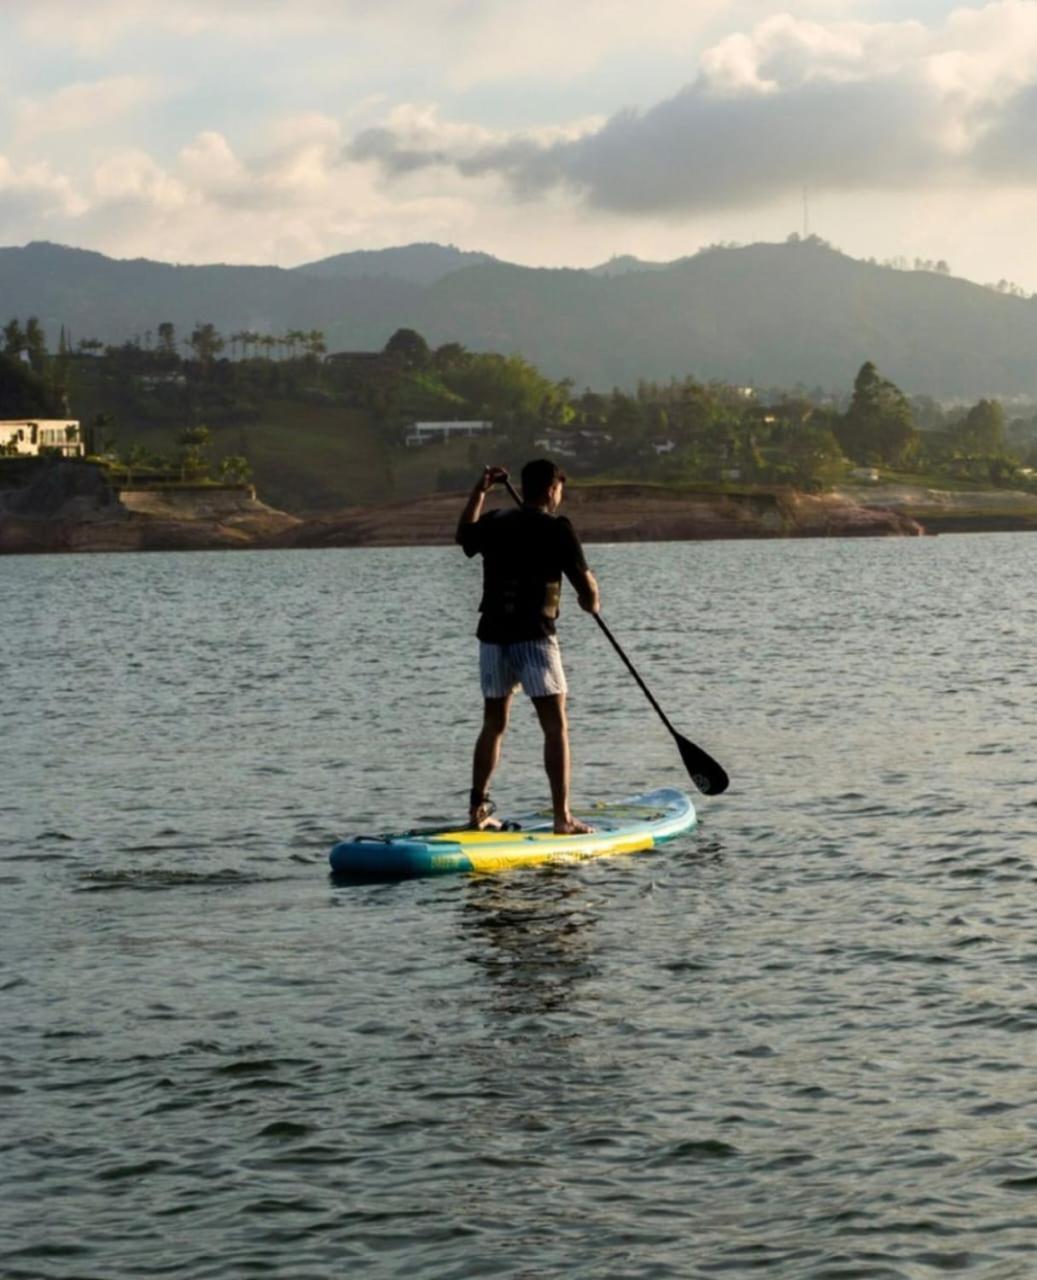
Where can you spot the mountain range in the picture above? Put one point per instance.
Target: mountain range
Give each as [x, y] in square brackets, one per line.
[797, 313]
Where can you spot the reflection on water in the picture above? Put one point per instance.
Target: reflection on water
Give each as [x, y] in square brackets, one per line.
[532, 934]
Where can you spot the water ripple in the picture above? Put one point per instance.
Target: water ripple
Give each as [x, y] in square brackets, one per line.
[797, 1043]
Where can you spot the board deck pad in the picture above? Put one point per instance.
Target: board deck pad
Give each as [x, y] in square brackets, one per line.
[623, 826]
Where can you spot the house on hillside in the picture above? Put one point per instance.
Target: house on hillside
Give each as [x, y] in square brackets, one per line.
[32, 436]
[559, 444]
[583, 442]
[422, 433]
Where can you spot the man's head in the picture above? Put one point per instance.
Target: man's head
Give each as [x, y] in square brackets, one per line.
[542, 483]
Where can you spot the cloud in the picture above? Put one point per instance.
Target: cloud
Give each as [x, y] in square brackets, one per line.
[132, 177]
[84, 106]
[468, 42]
[541, 39]
[36, 189]
[295, 200]
[839, 106]
[940, 117]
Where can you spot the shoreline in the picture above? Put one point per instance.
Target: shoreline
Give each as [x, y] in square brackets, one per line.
[71, 509]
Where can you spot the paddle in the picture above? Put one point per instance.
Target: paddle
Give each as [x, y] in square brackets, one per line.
[707, 775]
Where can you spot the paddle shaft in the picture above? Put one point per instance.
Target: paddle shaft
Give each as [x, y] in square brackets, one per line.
[704, 771]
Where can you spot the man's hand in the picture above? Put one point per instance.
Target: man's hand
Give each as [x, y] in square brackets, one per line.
[473, 507]
[490, 476]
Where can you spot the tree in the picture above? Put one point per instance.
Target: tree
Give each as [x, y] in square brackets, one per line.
[101, 436]
[409, 348]
[206, 344]
[193, 442]
[814, 457]
[167, 339]
[235, 469]
[23, 393]
[133, 458]
[451, 355]
[14, 339]
[507, 388]
[626, 422]
[927, 413]
[982, 430]
[877, 427]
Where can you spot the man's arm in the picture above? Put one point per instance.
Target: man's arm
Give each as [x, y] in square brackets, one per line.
[473, 507]
[575, 568]
[586, 590]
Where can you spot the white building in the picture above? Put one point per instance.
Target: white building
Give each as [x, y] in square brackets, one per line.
[560, 444]
[30, 435]
[438, 432]
[581, 442]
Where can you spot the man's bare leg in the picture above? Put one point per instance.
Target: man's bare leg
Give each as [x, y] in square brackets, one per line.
[555, 724]
[484, 762]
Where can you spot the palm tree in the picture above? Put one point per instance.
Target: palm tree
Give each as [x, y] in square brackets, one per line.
[315, 348]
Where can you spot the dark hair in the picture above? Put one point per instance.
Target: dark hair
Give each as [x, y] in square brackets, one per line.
[538, 477]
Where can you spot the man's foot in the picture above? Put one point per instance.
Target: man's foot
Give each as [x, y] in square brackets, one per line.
[572, 827]
[480, 816]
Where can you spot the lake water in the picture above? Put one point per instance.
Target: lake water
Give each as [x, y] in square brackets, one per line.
[797, 1043]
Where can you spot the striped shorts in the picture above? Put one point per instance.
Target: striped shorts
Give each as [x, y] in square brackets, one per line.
[535, 665]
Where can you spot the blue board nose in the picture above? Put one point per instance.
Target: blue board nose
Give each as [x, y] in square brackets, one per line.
[396, 858]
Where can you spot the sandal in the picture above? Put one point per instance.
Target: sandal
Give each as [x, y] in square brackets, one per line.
[480, 814]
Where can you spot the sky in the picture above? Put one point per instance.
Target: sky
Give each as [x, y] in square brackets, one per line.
[547, 134]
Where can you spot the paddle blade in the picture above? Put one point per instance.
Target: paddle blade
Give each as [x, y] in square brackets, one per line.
[706, 774]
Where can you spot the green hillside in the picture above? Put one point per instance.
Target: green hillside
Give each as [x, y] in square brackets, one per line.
[320, 434]
[315, 437]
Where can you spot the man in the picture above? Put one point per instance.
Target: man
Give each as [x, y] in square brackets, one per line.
[525, 551]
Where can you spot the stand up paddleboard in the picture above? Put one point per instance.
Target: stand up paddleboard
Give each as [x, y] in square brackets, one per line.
[625, 826]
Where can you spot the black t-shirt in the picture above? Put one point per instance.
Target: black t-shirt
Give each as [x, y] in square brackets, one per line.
[525, 551]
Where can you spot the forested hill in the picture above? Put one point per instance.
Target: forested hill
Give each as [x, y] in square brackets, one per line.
[765, 314]
[415, 263]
